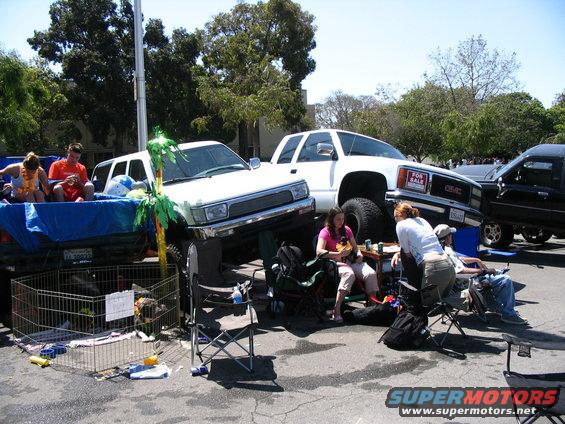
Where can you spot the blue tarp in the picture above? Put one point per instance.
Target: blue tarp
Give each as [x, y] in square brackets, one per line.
[67, 221]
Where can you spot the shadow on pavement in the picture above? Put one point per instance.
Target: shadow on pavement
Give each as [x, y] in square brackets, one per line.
[229, 375]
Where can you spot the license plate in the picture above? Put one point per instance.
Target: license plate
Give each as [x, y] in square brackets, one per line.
[84, 254]
[416, 180]
[456, 215]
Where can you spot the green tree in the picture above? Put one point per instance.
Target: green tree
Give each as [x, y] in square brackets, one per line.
[32, 107]
[93, 43]
[254, 59]
[420, 113]
[480, 72]
[522, 122]
[557, 114]
[172, 102]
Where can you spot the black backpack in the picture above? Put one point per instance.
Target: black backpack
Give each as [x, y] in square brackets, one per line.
[382, 314]
[291, 262]
[408, 331]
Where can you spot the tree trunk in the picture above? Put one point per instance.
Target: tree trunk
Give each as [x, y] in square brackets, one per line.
[256, 139]
[243, 140]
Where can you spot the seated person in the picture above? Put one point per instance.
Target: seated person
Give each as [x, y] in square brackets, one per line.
[74, 184]
[501, 285]
[337, 239]
[25, 178]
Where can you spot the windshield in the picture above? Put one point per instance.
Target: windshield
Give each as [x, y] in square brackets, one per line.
[202, 162]
[358, 145]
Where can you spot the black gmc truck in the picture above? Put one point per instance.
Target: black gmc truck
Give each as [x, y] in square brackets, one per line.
[525, 196]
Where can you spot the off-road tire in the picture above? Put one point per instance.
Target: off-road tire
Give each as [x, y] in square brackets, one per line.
[365, 219]
[496, 235]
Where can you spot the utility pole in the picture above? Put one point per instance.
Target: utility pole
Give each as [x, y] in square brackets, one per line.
[139, 80]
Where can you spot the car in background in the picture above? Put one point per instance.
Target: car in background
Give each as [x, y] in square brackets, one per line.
[525, 196]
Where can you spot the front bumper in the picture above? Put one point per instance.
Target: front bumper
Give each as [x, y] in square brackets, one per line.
[277, 219]
[436, 210]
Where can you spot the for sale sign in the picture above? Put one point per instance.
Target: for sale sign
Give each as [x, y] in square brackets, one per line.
[416, 180]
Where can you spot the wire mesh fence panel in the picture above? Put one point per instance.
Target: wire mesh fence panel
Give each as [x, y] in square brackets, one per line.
[95, 318]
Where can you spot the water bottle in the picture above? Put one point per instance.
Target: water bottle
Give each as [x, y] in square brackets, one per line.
[236, 295]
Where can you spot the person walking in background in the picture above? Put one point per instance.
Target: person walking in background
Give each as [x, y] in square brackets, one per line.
[337, 240]
[25, 178]
[74, 184]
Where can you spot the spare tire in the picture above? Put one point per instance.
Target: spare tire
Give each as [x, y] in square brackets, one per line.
[536, 235]
[364, 218]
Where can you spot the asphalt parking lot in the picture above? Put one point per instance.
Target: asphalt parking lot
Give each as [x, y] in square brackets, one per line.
[306, 372]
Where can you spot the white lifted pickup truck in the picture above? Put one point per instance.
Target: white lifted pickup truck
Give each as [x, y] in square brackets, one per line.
[218, 194]
[366, 177]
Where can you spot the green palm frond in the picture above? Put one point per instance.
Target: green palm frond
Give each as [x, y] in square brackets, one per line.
[161, 147]
[158, 205]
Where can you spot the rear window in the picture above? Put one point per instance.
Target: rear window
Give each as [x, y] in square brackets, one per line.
[101, 174]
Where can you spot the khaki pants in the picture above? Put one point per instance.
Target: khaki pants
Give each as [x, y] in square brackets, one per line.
[441, 274]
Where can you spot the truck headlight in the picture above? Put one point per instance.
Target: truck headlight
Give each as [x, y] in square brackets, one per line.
[213, 213]
[476, 192]
[299, 191]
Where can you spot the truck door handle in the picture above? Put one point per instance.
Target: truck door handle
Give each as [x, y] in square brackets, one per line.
[293, 171]
[543, 194]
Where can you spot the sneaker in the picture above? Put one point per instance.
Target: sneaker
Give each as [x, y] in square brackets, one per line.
[514, 319]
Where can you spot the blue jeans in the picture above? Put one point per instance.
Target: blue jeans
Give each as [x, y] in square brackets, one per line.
[503, 292]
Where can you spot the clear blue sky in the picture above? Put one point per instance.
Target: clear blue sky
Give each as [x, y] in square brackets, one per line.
[364, 43]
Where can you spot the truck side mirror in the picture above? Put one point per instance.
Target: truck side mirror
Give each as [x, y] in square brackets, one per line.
[254, 163]
[325, 149]
[501, 187]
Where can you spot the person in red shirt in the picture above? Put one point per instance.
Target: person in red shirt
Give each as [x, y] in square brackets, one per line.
[74, 184]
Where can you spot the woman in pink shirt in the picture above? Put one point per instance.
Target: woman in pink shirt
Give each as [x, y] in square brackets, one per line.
[349, 259]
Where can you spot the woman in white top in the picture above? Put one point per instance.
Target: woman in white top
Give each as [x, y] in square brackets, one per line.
[421, 249]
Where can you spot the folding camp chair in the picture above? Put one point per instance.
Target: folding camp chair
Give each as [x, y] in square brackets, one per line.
[215, 322]
[429, 302]
[301, 282]
[517, 381]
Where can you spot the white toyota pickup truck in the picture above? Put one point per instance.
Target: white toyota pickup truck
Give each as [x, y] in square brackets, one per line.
[366, 177]
[218, 194]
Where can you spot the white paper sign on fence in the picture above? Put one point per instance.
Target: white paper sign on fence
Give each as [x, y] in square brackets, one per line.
[119, 305]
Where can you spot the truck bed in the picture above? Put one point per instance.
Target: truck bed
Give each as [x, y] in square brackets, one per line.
[42, 236]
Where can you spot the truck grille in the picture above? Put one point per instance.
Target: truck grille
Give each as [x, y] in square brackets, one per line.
[260, 203]
[451, 189]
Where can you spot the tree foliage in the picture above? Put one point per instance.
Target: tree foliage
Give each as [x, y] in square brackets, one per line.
[339, 110]
[93, 43]
[172, 101]
[33, 111]
[254, 58]
[480, 73]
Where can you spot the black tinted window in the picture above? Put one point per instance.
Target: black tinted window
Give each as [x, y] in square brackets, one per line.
[309, 152]
[136, 170]
[289, 149]
[119, 169]
[358, 145]
[535, 173]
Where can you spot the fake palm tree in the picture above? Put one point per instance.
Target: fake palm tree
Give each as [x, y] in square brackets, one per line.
[157, 204]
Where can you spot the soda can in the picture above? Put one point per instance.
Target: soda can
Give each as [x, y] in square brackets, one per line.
[380, 248]
[368, 244]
